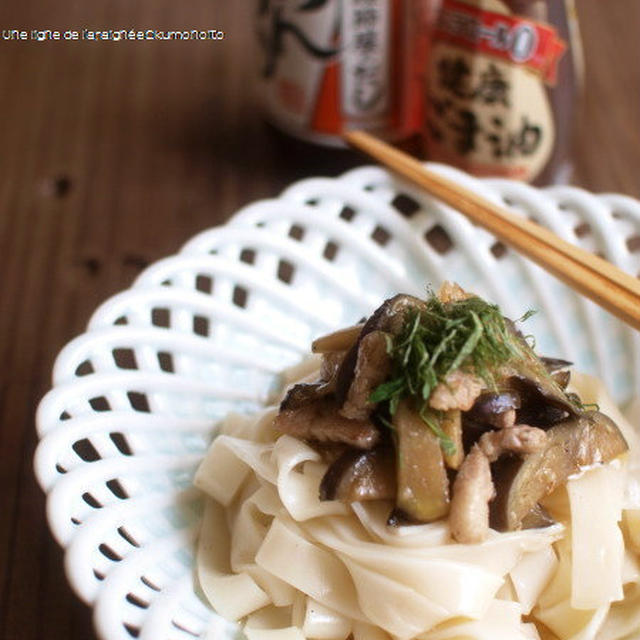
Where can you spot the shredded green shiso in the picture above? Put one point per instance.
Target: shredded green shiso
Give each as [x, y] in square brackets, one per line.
[469, 334]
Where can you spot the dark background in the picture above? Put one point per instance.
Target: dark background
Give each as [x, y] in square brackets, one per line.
[114, 154]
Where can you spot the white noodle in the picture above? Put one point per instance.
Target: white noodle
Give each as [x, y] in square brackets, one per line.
[291, 567]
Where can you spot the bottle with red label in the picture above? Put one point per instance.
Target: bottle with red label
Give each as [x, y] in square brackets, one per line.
[502, 86]
[332, 65]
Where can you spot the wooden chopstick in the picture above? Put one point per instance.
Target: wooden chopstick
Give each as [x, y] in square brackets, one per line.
[596, 278]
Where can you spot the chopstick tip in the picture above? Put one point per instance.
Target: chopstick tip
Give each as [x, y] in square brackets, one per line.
[356, 137]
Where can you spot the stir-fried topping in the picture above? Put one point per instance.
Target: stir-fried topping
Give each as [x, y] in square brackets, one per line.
[468, 334]
[447, 353]
[441, 406]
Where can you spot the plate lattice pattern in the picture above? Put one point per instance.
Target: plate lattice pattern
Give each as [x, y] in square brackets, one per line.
[136, 398]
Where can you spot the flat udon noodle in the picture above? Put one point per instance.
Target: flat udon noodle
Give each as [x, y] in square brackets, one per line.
[273, 554]
[591, 594]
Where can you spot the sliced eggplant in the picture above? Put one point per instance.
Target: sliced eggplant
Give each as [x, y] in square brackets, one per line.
[373, 366]
[491, 403]
[388, 318]
[552, 365]
[391, 314]
[423, 485]
[361, 475]
[318, 419]
[544, 401]
[587, 439]
[304, 393]
[331, 363]
[339, 340]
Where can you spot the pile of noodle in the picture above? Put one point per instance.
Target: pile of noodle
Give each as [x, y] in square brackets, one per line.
[290, 567]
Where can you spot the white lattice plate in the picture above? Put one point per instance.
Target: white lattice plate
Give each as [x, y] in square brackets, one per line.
[135, 399]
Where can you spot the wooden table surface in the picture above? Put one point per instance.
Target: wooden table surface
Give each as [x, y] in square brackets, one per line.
[113, 154]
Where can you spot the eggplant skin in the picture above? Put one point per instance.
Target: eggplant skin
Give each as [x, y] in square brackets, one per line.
[373, 366]
[588, 439]
[490, 402]
[319, 419]
[360, 475]
[552, 365]
[303, 393]
[389, 317]
[544, 401]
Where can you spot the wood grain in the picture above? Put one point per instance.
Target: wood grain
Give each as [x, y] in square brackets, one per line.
[113, 154]
[591, 275]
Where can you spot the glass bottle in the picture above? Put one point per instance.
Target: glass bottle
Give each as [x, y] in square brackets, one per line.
[502, 88]
[333, 65]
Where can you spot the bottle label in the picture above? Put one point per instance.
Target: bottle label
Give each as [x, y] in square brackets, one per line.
[488, 108]
[506, 37]
[330, 66]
